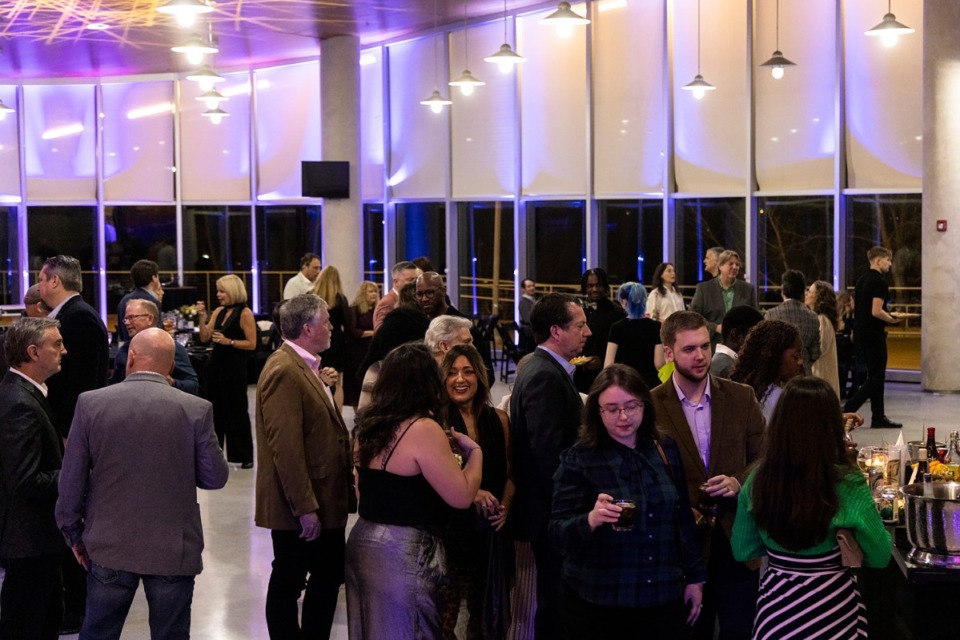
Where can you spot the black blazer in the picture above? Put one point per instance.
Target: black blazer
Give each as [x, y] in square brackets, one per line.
[544, 418]
[30, 458]
[84, 367]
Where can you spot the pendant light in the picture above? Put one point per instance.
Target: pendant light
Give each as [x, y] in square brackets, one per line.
[436, 101]
[565, 18]
[212, 98]
[195, 48]
[698, 86]
[216, 115]
[506, 58]
[184, 11]
[889, 28]
[467, 82]
[206, 76]
[777, 62]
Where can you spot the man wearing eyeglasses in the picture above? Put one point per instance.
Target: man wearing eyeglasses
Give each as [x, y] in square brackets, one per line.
[431, 296]
[140, 315]
[717, 426]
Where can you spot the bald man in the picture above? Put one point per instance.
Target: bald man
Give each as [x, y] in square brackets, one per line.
[137, 452]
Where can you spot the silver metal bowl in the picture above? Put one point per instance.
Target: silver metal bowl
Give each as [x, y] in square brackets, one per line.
[933, 521]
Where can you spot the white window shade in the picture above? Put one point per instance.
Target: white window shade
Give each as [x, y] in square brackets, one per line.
[795, 122]
[138, 142]
[288, 127]
[884, 101]
[629, 106]
[419, 145]
[371, 124]
[60, 142]
[216, 157]
[553, 98]
[9, 148]
[710, 135]
[484, 124]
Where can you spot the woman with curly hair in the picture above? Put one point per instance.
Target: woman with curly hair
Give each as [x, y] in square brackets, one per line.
[664, 298]
[407, 478]
[771, 355]
[822, 300]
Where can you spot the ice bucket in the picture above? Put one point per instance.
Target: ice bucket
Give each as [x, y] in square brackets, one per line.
[933, 521]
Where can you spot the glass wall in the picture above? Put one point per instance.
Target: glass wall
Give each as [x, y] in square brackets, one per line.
[216, 241]
[373, 229]
[284, 234]
[486, 257]
[138, 233]
[556, 243]
[10, 282]
[422, 231]
[65, 230]
[631, 239]
[703, 223]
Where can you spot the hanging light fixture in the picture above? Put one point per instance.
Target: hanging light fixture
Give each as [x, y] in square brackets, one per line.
[889, 28]
[185, 11]
[206, 76]
[698, 86]
[212, 98]
[216, 115]
[565, 18]
[467, 82]
[436, 101]
[777, 62]
[4, 110]
[506, 58]
[195, 48]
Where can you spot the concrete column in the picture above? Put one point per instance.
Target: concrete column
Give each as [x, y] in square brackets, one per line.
[340, 140]
[940, 350]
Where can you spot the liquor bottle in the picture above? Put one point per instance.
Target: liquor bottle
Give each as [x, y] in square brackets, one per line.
[922, 466]
[953, 449]
[931, 444]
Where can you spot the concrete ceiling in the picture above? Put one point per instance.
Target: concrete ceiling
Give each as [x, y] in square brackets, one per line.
[52, 38]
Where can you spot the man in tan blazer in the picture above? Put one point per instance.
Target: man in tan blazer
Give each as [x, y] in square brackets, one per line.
[717, 426]
[303, 472]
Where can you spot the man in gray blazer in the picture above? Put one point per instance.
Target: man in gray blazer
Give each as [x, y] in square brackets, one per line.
[128, 508]
[716, 296]
[31, 546]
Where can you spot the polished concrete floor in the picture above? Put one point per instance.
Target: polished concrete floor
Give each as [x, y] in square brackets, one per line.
[229, 598]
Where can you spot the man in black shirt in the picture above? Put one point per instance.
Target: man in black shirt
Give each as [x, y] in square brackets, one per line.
[870, 337]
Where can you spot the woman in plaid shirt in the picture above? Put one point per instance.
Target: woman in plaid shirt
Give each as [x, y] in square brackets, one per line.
[651, 575]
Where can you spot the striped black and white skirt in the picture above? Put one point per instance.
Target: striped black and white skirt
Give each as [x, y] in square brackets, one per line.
[809, 598]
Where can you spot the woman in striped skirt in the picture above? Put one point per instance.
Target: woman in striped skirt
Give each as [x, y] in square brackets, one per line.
[803, 490]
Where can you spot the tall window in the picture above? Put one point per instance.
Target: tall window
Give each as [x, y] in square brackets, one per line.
[631, 239]
[480, 246]
[373, 222]
[67, 231]
[556, 249]
[703, 223]
[9, 257]
[137, 233]
[216, 241]
[421, 231]
[793, 233]
[284, 234]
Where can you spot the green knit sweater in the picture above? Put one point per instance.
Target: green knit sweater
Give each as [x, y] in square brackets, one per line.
[857, 512]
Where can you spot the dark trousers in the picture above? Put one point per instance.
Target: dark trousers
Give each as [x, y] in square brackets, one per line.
[227, 391]
[874, 357]
[74, 587]
[549, 562]
[582, 619]
[293, 559]
[31, 602]
[730, 595]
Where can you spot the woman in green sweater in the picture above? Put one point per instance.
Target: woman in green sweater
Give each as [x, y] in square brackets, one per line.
[803, 489]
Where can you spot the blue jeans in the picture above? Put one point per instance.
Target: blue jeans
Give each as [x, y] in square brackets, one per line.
[110, 593]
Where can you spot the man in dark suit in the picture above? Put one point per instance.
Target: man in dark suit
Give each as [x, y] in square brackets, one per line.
[716, 296]
[84, 369]
[31, 548]
[303, 475]
[140, 316]
[717, 426]
[545, 416]
[136, 455]
[146, 286]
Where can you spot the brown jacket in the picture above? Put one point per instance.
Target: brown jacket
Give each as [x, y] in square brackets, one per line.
[303, 447]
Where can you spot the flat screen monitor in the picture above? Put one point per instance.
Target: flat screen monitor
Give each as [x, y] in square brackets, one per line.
[325, 179]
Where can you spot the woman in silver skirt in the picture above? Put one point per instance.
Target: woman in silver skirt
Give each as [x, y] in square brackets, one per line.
[407, 479]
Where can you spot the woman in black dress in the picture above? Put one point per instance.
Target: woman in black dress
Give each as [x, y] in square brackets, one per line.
[233, 331]
[329, 288]
[635, 340]
[359, 335]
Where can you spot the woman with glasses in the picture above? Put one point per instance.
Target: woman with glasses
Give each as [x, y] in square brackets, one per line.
[646, 575]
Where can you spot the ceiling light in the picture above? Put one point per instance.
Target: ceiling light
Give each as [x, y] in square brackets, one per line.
[195, 48]
[698, 86]
[889, 29]
[97, 26]
[436, 102]
[216, 115]
[212, 98]
[505, 59]
[777, 62]
[564, 16]
[185, 11]
[206, 76]
[467, 82]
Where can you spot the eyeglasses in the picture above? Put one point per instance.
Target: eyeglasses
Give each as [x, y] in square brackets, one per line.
[429, 293]
[628, 410]
[133, 317]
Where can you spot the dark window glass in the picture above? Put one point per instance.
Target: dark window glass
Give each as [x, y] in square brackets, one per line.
[67, 231]
[703, 223]
[556, 249]
[10, 283]
[284, 234]
[479, 247]
[216, 241]
[793, 233]
[136, 233]
[373, 266]
[631, 239]
[422, 231]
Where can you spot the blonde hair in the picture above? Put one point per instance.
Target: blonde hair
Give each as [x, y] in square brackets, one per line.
[328, 285]
[360, 300]
[234, 288]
